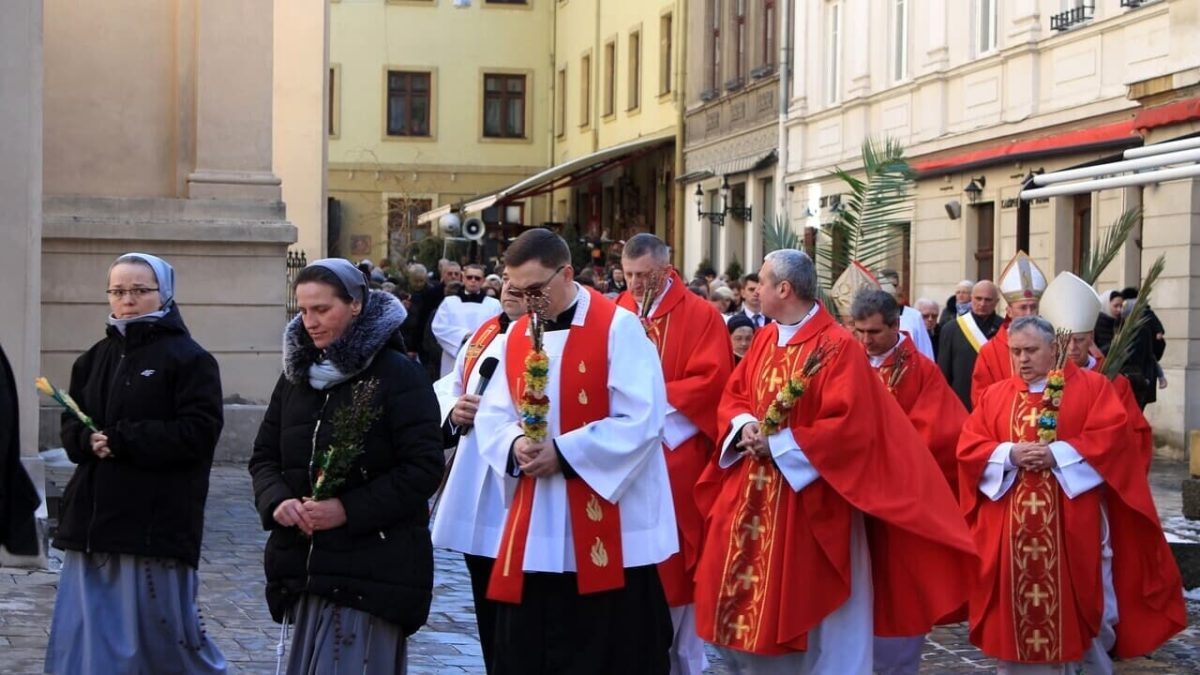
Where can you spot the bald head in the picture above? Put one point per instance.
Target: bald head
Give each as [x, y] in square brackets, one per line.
[984, 296]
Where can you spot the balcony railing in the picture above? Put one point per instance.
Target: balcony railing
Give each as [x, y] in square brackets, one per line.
[1071, 17]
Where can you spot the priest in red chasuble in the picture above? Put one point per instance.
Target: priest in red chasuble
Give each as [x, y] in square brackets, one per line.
[1074, 564]
[690, 338]
[930, 405]
[1022, 284]
[571, 424]
[827, 520]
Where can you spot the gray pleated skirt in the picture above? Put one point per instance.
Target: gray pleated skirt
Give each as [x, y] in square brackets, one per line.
[128, 614]
[334, 639]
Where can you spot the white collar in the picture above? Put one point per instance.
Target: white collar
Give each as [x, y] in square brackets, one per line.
[786, 333]
[877, 361]
[1038, 386]
[1091, 364]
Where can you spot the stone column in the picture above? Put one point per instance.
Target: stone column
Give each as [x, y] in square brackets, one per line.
[937, 47]
[857, 13]
[234, 73]
[21, 216]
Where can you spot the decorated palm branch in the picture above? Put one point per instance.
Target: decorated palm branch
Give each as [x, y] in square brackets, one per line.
[654, 282]
[351, 422]
[1123, 340]
[64, 399]
[535, 404]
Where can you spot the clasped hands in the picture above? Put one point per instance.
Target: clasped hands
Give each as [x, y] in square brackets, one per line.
[310, 515]
[754, 442]
[1032, 456]
[538, 460]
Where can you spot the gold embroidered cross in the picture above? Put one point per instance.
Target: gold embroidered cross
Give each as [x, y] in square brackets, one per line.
[740, 627]
[759, 478]
[754, 527]
[1037, 641]
[1032, 418]
[775, 381]
[1036, 550]
[748, 578]
[1033, 504]
[1037, 595]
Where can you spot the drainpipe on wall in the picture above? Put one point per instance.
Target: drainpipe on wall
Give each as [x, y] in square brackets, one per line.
[554, 94]
[679, 26]
[785, 96]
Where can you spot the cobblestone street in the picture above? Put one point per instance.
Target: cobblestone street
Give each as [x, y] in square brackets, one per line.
[236, 614]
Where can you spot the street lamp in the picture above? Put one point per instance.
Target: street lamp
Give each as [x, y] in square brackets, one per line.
[975, 188]
[715, 217]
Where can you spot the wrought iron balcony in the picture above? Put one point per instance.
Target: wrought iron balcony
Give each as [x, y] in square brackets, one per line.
[1071, 17]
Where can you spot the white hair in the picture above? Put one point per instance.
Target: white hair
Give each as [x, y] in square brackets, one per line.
[926, 302]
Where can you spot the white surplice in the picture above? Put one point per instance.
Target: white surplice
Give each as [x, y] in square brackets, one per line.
[470, 515]
[913, 323]
[620, 456]
[455, 321]
[842, 643]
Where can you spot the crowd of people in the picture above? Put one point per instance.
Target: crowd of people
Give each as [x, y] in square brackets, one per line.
[781, 471]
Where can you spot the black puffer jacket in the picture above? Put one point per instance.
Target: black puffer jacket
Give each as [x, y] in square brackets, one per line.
[381, 560]
[156, 394]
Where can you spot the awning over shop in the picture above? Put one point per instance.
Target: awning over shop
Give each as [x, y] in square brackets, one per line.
[1110, 135]
[745, 164]
[569, 173]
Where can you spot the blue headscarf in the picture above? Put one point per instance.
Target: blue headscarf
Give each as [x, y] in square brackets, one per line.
[164, 276]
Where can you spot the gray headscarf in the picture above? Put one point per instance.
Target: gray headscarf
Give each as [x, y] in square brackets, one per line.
[164, 276]
[351, 277]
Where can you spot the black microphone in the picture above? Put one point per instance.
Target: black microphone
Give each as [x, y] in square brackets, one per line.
[486, 369]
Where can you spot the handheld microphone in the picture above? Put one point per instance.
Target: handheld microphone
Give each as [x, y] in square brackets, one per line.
[486, 369]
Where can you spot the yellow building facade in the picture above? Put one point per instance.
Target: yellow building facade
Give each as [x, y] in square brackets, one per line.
[619, 79]
[431, 102]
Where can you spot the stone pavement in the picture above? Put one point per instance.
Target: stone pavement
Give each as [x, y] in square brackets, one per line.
[236, 614]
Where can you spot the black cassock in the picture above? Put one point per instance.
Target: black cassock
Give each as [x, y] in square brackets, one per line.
[956, 357]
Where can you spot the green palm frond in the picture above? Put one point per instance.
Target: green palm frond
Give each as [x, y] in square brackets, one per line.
[1123, 341]
[1107, 247]
[873, 221]
[779, 234]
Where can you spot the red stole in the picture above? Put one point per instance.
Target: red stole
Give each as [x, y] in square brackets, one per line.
[477, 344]
[595, 522]
[693, 345]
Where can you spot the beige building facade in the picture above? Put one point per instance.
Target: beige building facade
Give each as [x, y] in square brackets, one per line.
[737, 57]
[985, 95]
[432, 102]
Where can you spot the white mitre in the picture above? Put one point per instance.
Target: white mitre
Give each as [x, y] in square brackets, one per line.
[1069, 303]
[1022, 279]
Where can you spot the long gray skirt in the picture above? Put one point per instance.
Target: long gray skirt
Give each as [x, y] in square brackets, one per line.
[334, 639]
[128, 614]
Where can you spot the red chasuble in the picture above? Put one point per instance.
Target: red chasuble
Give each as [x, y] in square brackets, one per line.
[931, 405]
[993, 364]
[775, 561]
[1039, 597]
[1139, 429]
[595, 522]
[696, 356]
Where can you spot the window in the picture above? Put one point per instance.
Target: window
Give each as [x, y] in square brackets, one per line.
[739, 42]
[768, 33]
[610, 77]
[334, 101]
[833, 53]
[634, 95]
[504, 106]
[985, 26]
[408, 103]
[899, 40]
[665, 37]
[560, 103]
[505, 2]
[714, 64]
[585, 90]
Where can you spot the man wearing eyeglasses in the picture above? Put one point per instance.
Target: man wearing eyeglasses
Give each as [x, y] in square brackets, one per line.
[459, 316]
[590, 512]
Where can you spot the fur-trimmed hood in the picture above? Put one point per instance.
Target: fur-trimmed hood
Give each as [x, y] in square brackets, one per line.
[351, 353]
